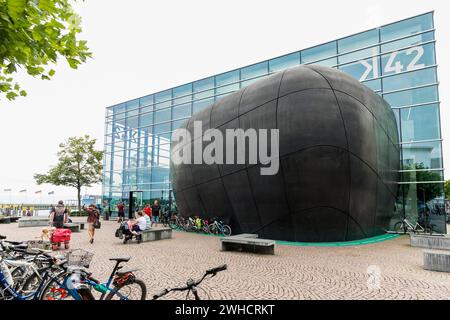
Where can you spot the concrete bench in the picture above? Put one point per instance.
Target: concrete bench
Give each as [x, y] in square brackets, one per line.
[74, 227]
[430, 242]
[248, 243]
[155, 234]
[5, 220]
[436, 260]
[81, 225]
[33, 222]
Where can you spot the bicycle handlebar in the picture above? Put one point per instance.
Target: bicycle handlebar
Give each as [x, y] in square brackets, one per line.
[191, 283]
[217, 269]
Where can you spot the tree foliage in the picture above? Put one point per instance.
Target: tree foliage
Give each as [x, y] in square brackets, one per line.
[33, 34]
[447, 189]
[79, 165]
[425, 191]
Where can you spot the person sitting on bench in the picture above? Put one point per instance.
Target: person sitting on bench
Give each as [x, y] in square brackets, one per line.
[140, 224]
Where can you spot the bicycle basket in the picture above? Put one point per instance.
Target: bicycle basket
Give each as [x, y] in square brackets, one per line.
[79, 258]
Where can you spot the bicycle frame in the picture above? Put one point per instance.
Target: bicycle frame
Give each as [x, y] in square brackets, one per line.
[32, 296]
[107, 284]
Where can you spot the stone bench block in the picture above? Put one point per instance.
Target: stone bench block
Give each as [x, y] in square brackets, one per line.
[74, 227]
[436, 260]
[33, 222]
[248, 243]
[430, 242]
[156, 234]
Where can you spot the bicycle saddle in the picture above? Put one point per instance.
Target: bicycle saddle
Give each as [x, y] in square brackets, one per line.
[121, 273]
[120, 259]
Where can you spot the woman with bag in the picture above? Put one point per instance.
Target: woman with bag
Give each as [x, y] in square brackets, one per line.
[93, 221]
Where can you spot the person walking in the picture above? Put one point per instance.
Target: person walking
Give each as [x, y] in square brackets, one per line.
[58, 215]
[156, 208]
[121, 212]
[93, 219]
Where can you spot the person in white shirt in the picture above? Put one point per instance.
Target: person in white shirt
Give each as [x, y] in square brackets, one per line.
[140, 224]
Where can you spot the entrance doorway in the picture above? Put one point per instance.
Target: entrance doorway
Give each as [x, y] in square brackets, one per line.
[135, 203]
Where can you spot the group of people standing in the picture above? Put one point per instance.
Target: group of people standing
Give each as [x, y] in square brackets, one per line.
[153, 211]
[60, 214]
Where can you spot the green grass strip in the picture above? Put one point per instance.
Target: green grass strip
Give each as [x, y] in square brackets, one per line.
[377, 239]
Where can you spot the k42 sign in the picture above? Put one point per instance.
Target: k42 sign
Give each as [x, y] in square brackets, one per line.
[395, 62]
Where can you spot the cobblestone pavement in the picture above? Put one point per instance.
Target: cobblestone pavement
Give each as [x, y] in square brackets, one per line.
[293, 273]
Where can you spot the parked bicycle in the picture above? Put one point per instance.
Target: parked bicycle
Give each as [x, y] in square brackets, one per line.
[192, 285]
[36, 275]
[219, 227]
[121, 285]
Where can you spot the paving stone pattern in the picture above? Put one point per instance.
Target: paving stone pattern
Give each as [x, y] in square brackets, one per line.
[292, 273]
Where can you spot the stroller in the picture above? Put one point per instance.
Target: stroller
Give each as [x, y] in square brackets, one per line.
[124, 232]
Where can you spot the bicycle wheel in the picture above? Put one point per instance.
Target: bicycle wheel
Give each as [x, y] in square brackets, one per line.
[33, 282]
[226, 231]
[400, 227]
[213, 229]
[53, 291]
[129, 291]
[173, 225]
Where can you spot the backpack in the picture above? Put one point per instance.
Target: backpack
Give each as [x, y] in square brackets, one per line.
[58, 219]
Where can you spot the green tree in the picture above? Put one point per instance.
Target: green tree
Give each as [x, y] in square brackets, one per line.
[34, 34]
[447, 189]
[79, 165]
[425, 191]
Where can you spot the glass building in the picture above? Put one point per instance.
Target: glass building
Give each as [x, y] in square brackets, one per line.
[397, 61]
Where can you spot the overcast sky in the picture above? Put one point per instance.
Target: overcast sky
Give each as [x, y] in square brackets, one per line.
[143, 46]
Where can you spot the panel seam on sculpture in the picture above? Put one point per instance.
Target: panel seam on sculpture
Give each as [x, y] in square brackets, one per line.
[261, 105]
[286, 198]
[298, 151]
[220, 176]
[348, 147]
[246, 171]
[317, 207]
[195, 185]
[373, 115]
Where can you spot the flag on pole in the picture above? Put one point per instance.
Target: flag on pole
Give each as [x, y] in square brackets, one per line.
[7, 190]
[40, 191]
[24, 190]
[51, 192]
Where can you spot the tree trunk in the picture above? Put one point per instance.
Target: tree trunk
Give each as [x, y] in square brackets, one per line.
[79, 200]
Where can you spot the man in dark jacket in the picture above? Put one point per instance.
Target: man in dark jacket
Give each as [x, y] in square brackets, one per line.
[58, 215]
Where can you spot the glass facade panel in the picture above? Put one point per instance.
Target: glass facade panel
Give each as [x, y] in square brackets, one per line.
[182, 94]
[411, 97]
[255, 70]
[321, 52]
[420, 123]
[360, 40]
[410, 80]
[146, 119]
[284, 62]
[422, 155]
[398, 61]
[407, 27]
[146, 101]
[199, 105]
[163, 115]
[227, 82]
[202, 88]
[182, 111]
[417, 40]
[411, 59]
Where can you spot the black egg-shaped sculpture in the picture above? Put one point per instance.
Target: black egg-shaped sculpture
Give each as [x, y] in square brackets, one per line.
[338, 160]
